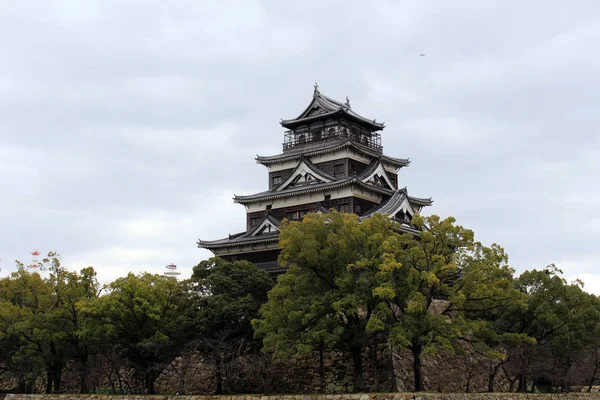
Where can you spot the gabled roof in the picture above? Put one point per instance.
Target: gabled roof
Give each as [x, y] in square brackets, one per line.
[269, 194]
[305, 167]
[329, 148]
[268, 220]
[376, 168]
[256, 235]
[322, 106]
[397, 202]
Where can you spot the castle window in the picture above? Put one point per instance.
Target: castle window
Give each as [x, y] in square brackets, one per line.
[327, 197]
[302, 213]
[277, 179]
[269, 206]
[338, 170]
[344, 207]
[358, 208]
[291, 215]
[317, 136]
[254, 221]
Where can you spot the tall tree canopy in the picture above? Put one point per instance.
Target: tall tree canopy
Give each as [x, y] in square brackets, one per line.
[228, 296]
[41, 320]
[349, 279]
[147, 316]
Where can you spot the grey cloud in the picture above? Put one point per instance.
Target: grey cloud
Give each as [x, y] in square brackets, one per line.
[116, 119]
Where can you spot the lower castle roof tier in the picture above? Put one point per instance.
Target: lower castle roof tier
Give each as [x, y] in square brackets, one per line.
[399, 205]
[332, 146]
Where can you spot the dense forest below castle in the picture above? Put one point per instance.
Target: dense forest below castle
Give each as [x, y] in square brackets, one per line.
[349, 284]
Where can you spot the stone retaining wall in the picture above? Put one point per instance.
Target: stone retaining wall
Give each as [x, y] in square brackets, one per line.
[378, 396]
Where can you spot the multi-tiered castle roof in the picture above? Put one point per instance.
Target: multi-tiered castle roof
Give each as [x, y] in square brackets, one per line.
[332, 158]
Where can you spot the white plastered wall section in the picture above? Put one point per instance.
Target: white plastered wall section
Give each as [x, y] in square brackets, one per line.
[346, 191]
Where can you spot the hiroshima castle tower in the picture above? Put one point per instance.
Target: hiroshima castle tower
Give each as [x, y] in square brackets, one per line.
[332, 158]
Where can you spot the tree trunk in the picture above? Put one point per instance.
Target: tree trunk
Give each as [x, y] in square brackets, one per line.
[83, 375]
[57, 378]
[49, 379]
[522, 388]
[83, 387]
[373, 351]
[358, 369]
[219, 374]
[492, 377]
[321, 369]
[417, 349]
[22, 385]
[149, 380]
[592, 378]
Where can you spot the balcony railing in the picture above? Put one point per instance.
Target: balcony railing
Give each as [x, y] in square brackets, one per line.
[294, 139]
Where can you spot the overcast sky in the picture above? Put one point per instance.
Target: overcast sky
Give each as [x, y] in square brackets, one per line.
[126, 127]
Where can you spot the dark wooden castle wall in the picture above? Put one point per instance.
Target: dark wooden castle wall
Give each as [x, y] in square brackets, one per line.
[346, 167]
[348, 204]
[283, 174]
[257, 257]
[362, 206]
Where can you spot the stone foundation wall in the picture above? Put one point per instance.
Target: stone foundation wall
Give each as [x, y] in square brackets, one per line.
[253, 373]
[378, 396]
[385, 370]
[444, 372]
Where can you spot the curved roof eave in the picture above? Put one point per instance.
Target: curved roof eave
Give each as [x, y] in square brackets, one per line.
[220, 243]
[330, 108]
[269, 195]
[397, 162]
[420, 201]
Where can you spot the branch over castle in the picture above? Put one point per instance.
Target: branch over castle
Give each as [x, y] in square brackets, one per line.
[332, 158]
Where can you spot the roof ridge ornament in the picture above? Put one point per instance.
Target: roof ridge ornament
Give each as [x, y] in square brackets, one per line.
[348, 103]
[316, 91]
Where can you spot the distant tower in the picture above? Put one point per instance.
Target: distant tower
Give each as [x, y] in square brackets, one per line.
[172, 270]
[332, 158]
[35, 264]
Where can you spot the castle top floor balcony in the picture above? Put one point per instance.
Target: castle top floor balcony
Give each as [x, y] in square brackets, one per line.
[294, 139]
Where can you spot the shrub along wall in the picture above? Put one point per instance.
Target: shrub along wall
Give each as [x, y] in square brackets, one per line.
[363, 396]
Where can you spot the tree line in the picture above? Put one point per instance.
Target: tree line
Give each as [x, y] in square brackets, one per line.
[349, 284]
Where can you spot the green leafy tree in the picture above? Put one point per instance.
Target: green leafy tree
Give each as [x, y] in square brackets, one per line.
[326, 299]
[24, 300]
[69, 289]
[593, 348]
[146, 316]
[41, 315]
[490, 297]
[557, 317]
[228, 296]
[349, 280]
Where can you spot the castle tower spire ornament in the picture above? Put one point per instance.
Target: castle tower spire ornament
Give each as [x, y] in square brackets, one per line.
[348, 102]
[316, 91]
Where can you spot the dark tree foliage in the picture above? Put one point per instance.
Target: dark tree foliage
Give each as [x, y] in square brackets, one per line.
[350, 286]
[227, 297]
